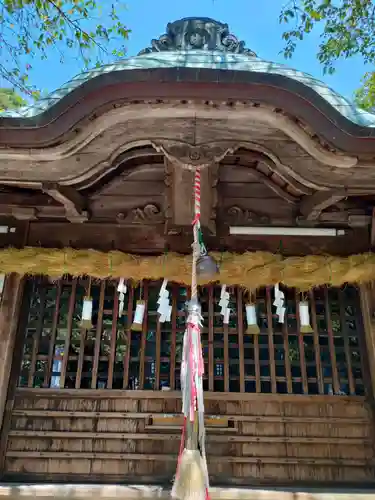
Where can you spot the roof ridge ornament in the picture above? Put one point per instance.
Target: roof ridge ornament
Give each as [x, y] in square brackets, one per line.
[198, 33]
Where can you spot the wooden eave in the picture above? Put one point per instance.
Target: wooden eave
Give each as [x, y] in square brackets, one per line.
[105, 167]
[109, 91]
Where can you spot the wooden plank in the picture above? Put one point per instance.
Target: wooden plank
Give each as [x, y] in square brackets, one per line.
[52, 341]
[98, 336]
[133, 189]
[129, 320]
[331, 343]
[318, 363]
[172, 457]
[172, 372]
[143, 338]
[345, 334]
[177, 420]
[240, 338]
[301, 346]
[112, 352]
[72, 302]
[176, 395]
[177, 429]
[215, 438]
[211, 361]
[272, 419]
[37, 335]
[270, 340]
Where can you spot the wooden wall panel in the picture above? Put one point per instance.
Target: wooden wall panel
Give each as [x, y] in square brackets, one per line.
[97, 435]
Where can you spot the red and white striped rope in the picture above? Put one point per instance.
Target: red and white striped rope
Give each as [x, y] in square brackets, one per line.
[197, 195]
[192, 366]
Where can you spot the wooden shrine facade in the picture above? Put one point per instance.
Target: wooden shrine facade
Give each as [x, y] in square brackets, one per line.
[109, 168]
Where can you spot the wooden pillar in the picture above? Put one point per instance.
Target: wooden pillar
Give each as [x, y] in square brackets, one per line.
[367, 295]
[9, 314]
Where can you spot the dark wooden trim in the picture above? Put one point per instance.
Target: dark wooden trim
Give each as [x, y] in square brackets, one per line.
[108, 90]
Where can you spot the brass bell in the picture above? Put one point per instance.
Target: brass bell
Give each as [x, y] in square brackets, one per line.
[207, 266]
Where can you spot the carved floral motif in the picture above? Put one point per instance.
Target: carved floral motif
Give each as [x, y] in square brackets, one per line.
[237, 215]
[149, 214]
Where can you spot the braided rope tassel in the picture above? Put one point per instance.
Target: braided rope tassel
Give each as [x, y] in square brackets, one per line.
[191, 481]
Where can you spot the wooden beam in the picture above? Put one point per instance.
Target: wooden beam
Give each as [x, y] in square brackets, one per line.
[23, 213]
[312, 206]
[9, 315]
[367, 307]
[180, 203]
[73, 202]
[153, 240]
[372, 237]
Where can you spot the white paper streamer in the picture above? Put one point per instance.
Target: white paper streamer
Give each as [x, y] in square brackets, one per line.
[122, 289]
[165, 308]
[87, 309]
[279, 303]
[139, 313]
[251, 315]
[224, 302]
[304, 317]
[2, 282]
[226, 316]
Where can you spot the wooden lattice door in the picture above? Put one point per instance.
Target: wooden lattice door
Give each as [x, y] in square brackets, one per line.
[104, 404]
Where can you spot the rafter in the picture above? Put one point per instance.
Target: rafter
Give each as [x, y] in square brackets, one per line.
[73, 202]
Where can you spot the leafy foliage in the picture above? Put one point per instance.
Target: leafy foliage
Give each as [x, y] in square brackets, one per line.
[9, 99]
[44, 28]
[348, 29]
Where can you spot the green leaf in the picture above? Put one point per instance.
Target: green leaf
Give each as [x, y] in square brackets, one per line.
[347, 29]
[56, 28]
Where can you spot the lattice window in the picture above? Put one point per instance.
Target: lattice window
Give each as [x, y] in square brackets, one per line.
[58, 353]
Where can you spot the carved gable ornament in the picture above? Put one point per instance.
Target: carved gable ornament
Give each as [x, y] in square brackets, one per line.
[198, 33]
[190, 157]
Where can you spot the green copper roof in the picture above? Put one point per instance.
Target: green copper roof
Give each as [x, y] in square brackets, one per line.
[182, 47]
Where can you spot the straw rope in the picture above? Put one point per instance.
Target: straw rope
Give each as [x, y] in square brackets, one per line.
[249, 270]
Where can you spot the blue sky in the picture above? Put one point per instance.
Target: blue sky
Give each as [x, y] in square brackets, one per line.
[256, 22]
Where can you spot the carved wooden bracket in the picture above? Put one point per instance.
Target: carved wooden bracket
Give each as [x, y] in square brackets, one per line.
[149, 214]
[73, 202]
[312, 206]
